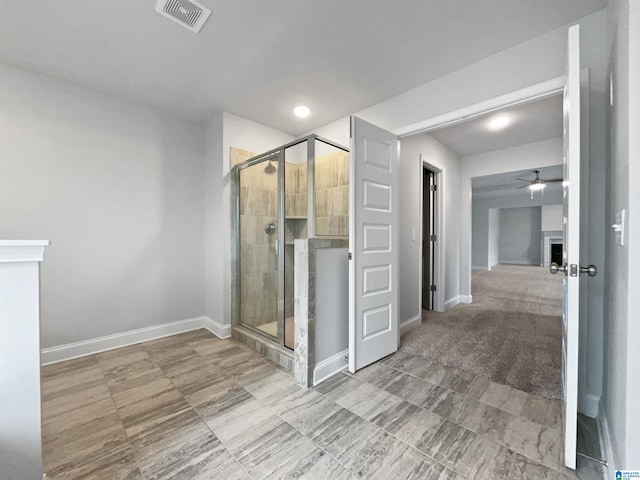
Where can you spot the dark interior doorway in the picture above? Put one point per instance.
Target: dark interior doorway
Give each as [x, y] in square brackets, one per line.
[428, 237]
[556, 253]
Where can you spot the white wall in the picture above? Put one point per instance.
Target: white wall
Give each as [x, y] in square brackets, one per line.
[117, 189]
[551, 218]
[622, 309]
[445, 160]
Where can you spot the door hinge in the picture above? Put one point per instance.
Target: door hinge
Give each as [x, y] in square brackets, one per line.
[433, 288]
[433, 238]
[433, 188]
[350, 256]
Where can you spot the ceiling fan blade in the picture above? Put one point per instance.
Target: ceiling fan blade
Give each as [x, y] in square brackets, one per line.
[524, 186]
[553, 180]
[523, 180]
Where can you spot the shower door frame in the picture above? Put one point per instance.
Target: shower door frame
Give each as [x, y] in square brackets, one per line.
[280, 245]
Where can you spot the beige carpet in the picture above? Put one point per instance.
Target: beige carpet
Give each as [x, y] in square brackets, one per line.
[511, 334]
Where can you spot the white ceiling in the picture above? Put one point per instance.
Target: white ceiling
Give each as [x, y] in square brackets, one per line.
[531, 122]
[260, 58]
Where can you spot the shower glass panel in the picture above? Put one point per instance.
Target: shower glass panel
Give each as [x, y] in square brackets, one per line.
[295, 223]
[297, 191]
[258, 281]
[331, 190]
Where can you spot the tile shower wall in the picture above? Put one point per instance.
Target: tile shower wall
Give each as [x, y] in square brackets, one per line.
[259, 205]
[332, 195]
[258, 259]
[295, 208]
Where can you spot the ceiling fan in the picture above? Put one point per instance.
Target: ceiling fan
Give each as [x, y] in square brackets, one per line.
[537, 184]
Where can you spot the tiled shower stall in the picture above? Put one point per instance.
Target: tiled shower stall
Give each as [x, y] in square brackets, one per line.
[297, 191]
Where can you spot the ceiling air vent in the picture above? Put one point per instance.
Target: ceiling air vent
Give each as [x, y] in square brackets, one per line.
[189, 14]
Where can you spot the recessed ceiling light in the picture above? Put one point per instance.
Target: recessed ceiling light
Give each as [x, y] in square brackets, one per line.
[302, 111]
[498, 123]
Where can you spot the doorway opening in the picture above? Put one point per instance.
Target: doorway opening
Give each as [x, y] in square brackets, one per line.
[428, 237]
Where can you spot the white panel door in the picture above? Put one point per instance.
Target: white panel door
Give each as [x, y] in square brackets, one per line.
[571, 253]
[373, 244]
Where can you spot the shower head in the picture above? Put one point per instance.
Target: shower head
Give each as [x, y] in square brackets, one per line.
[270, 168]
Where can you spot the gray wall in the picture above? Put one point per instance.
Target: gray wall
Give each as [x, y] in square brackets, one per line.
[332, 303]
[519, 240]
[622, 309]
[118, 191]
[481, 233]
[409, 178]
[494, 237]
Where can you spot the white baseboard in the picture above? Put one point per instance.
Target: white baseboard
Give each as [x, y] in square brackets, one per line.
[466, 299]
[330, 367]
[452, 302]
[217, 328]
[605, 443]
[483, 269]
[589, 405]
[410, 324]
[109, 342]
[518, 262]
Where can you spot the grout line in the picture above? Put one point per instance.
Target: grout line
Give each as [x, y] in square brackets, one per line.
[539, 462]
[226, 377]
[133, 452]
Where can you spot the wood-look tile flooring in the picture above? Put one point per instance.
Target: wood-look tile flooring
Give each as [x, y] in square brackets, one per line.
[192, 406]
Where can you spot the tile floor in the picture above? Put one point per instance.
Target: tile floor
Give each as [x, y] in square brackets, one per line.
[192, 406]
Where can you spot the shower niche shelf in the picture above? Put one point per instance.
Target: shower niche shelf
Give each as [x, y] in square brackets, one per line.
[295, 227]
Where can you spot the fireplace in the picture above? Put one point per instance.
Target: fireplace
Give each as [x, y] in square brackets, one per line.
[551, 248]
[556, 253]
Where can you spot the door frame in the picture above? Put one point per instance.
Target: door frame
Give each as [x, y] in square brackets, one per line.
[438, 226]
[525, 95]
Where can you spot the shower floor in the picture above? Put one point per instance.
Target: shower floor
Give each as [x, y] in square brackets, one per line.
[272, 329]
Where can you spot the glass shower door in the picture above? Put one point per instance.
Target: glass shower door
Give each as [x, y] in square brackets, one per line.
[258, 225]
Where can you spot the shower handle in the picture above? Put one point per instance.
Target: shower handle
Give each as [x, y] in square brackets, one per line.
[270, 228]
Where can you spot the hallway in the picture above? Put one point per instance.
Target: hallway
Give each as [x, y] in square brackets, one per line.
[511, 333]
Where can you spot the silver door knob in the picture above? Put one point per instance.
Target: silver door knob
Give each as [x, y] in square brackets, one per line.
[591, 270]
[555, 268]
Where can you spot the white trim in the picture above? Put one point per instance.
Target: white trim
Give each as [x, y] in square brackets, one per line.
[528, 94]
[118, 340]
[589, 405]
[517, 262]
[329, 367]
[218, 329]
[466, 299]
[452, 302]
[19, 251]
[483, 268]
[605, 443]
[410, 324]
